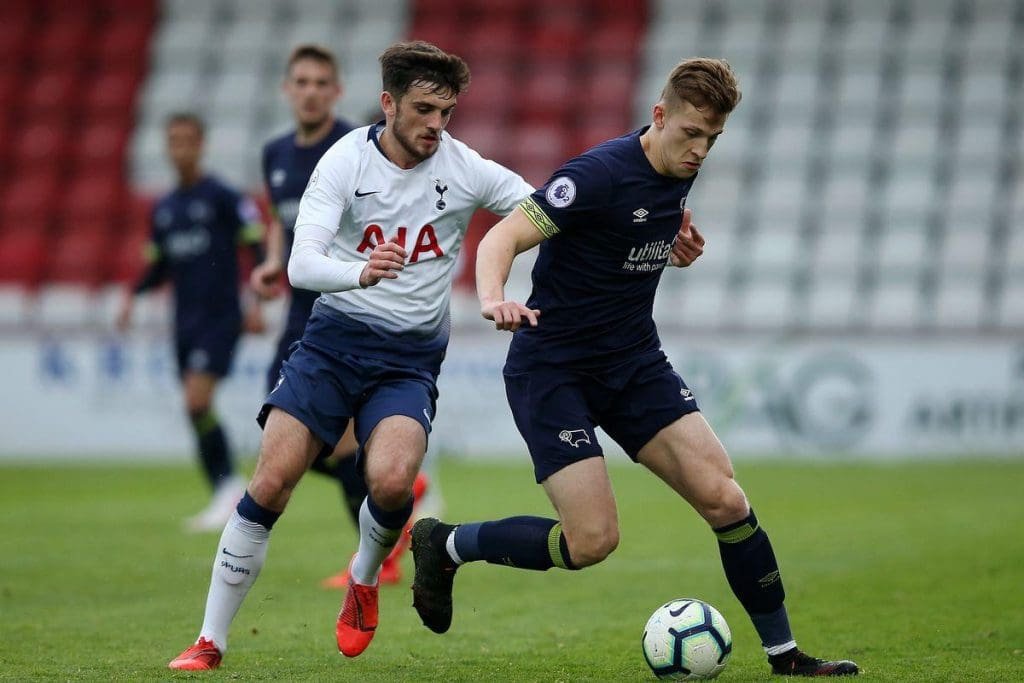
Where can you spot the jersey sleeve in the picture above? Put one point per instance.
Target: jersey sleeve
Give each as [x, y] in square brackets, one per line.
[328, 191]
[573, 197]
[500, 190]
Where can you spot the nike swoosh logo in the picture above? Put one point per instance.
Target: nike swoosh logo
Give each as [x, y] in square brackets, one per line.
[677, 612]
[241, 557]
[365, 194]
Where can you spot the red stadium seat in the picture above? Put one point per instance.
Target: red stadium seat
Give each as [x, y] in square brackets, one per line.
[49, 91]
[607, 87]
[144, 11]
[10, 84]
[14, 39]
[492, 95]
[62, 42]
[557, 43]
[100, 148]
[92, 197]
[122, 41]
[546, 98]
[596, 128]
[488, 44]
[111, 92]
[22, 253]
[489, 140]
[614, 41]
[440, 31]
[30, 197]
[77, 255]
[504, 11]
[537, 146]
[38, 145]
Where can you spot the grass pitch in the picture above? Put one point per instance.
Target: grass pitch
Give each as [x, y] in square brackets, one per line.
[916, 571]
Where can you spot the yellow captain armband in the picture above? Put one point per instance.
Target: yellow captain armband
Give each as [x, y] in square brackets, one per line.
[539, 219]
[251, 233]
[150, 252]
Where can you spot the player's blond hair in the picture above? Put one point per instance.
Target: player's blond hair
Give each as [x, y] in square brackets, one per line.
[703, 82]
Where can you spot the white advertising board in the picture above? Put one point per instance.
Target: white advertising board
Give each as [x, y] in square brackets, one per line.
[114, 397]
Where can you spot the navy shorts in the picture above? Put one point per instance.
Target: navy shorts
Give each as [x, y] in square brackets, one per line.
[209, 348]
[299, 310]
[324, 389]
[557, 410]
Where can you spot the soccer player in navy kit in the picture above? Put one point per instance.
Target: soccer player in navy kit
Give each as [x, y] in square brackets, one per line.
[312, 87]
[586, 353]
[196, 232]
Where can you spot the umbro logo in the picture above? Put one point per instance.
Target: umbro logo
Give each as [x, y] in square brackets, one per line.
[366, 194]
[641, 215]
[686, 394]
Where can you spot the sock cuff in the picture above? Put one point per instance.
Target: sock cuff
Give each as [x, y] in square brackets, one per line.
[251, 511]
[737, 532]
[558, 548]
[389, 519]
[205, 422]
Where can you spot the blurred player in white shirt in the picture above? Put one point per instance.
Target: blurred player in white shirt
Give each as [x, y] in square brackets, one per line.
[379, 230]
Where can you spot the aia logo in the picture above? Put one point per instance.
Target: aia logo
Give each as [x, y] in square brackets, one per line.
[426, 241]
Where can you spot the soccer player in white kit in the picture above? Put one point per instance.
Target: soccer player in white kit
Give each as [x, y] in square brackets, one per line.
[379, 230]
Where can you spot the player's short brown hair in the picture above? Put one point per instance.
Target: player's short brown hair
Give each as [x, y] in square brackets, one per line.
[318, 53]
[703, 82]
[187, 118]
[420, 63]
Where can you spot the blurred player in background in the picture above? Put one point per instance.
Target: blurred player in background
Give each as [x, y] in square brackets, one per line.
[312, 85]
[196, 232]
[379, 230]
[608, 223]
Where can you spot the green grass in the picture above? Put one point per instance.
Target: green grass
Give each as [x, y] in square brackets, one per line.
[914, 570]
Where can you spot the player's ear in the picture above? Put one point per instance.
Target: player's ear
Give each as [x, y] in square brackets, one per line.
[387, 103]
[658, 115]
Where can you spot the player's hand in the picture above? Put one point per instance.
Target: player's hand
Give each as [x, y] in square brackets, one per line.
[264, 279]
[688, 243]
[385, 262]
[253, 322]
[509, 315]
[124, 313]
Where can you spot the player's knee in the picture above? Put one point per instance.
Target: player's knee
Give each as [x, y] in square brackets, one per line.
[593, 544]
[197, 407]
[726, 504]
[390, 490]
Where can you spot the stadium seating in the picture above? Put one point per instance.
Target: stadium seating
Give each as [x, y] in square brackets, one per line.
[870, 180]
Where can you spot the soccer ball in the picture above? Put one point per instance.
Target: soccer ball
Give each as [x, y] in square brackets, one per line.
[686, 640]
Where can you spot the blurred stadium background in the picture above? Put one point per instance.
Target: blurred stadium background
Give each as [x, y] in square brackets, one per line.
[862, 291]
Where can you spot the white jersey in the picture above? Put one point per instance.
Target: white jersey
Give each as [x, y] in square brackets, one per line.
[358, 194]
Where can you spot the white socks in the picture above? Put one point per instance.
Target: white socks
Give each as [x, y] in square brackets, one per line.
[375, 542]
[240, 556]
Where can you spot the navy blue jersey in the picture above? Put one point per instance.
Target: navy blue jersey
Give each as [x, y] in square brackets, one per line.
[286, 171]
[610, 219]
[196, 234]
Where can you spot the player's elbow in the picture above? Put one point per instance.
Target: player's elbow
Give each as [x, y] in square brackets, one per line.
[296, 273]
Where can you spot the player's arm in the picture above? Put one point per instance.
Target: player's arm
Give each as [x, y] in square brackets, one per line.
[320, 211]
[155, 273]
[266, 274]
[513, 235]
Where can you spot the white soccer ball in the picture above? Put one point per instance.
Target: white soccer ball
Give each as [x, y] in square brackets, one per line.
[686, 640]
